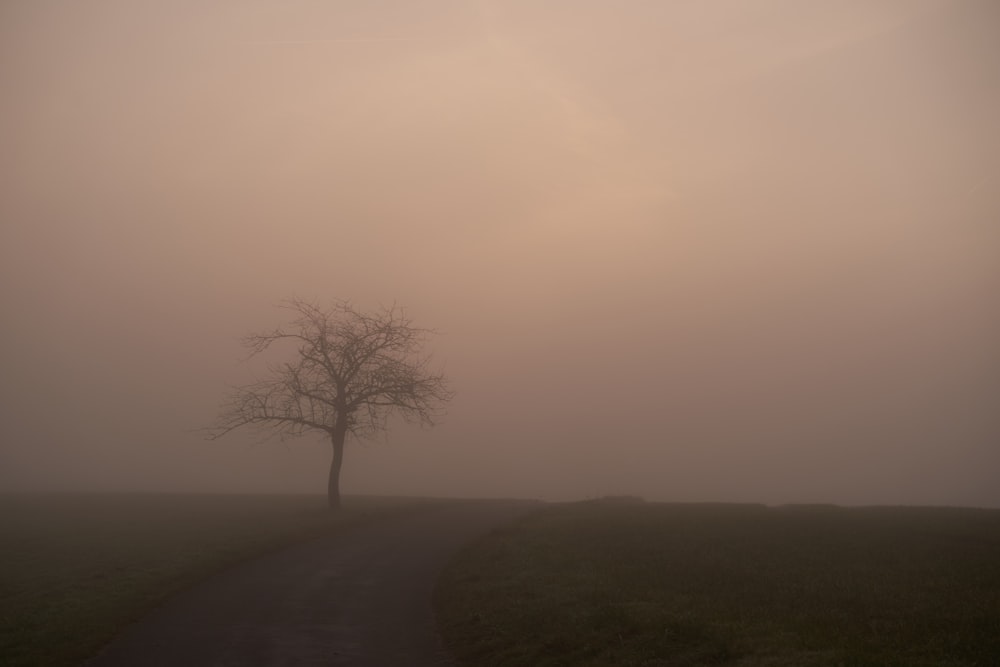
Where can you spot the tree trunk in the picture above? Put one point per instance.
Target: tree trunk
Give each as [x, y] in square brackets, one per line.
[333, 485]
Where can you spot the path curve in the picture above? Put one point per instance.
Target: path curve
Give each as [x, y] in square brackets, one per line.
[359, 598]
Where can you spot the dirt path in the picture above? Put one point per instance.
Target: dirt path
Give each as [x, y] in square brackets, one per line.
[361, 598]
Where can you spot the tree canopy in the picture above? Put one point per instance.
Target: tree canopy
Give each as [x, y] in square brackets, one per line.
[349, 372]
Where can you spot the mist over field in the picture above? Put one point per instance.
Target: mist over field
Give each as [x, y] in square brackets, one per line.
[694, 251]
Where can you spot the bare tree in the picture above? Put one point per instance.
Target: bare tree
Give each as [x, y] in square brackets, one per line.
[351, 371]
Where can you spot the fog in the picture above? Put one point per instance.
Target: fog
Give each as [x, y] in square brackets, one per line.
[695, 251]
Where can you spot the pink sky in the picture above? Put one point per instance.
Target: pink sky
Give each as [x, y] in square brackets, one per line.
[712, 250]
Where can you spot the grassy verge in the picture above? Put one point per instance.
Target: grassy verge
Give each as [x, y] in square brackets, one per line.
[621, 583]
[75, 569]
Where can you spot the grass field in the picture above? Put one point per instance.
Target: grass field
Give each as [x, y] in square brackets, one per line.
[74, 569]
[630, 583]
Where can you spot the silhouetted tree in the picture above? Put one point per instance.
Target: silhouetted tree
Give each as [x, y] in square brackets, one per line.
[351, 371]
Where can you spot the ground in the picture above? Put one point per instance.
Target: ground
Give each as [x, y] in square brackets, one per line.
[361, 597]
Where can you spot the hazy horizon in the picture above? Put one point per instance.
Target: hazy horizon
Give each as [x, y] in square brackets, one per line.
[693, 251]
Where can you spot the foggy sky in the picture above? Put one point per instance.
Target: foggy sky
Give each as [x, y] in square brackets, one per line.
[693, 250]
